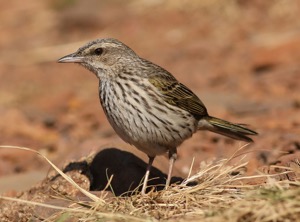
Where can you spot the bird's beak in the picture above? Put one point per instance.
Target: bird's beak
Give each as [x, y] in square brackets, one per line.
[71, 58]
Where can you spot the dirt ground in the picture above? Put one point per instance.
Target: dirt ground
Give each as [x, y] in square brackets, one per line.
[240, 57]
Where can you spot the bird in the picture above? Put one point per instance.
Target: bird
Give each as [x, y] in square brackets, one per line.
[145, 104]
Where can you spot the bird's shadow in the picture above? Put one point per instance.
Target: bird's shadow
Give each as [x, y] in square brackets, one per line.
[125, 170]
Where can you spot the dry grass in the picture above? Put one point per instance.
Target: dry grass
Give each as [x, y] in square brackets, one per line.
[221, 195]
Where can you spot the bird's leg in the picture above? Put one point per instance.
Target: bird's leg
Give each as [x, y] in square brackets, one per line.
[151, 159]
[172, 158]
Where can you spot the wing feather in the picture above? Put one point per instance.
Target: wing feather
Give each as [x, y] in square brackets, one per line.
[179, 95]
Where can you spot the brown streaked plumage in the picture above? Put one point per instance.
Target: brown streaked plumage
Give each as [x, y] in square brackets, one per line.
[145, 104]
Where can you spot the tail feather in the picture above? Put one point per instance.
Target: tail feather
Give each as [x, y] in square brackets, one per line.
[225, 128]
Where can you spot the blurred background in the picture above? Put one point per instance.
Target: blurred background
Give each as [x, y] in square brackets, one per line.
[241, 57]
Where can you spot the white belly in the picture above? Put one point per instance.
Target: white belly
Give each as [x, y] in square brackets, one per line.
[140, 121]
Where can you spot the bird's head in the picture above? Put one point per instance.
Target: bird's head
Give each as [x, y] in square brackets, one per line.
[104, 57]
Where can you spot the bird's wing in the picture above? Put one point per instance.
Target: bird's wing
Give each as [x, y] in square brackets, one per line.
[179, 95]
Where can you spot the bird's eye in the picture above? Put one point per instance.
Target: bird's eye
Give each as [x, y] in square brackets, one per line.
[98, 51]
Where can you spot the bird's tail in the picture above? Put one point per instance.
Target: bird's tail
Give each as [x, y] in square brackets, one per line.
[225, 128]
